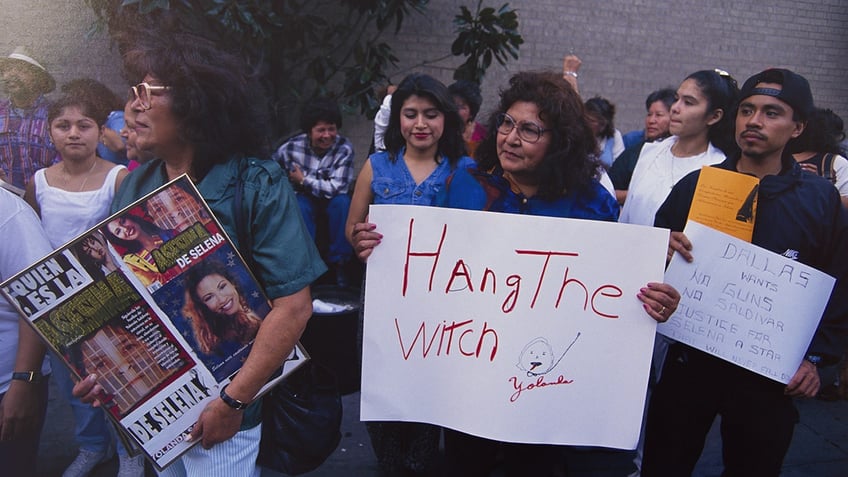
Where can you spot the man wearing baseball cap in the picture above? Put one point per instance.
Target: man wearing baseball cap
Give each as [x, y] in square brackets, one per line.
[25, 144]
[800, 216]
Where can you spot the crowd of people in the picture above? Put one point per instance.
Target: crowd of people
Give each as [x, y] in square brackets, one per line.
[542, 150]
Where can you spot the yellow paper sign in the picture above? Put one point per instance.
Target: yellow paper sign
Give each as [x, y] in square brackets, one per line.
[726, 201]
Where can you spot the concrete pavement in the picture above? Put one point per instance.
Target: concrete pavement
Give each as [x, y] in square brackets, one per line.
[819, 447]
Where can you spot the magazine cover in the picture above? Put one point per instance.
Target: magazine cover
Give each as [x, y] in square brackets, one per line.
[157, 302]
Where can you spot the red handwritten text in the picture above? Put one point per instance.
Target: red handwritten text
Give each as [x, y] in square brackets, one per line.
[540, 383]
[460, 279]
[460, 333]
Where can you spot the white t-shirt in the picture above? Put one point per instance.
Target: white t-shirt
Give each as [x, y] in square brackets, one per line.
[840, 168]
[24, 242]
[655, 174]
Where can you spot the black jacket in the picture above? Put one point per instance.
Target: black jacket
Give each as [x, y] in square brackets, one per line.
[799, 215]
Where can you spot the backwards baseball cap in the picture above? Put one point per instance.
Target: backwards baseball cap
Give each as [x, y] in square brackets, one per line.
[795, 90]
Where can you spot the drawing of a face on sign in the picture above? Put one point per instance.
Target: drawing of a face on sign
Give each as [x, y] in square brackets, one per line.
[537, 358]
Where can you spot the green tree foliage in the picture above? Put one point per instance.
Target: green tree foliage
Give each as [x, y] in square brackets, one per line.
[304, 48]
[486, 35]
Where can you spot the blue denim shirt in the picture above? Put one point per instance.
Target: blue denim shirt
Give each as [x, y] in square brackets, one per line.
[471, 189]
[392, 183]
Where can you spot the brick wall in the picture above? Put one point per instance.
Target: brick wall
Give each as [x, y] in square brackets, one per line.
[628, 47]
[54, 33]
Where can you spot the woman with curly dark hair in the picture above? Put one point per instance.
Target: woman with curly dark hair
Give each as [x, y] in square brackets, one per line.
[538, 159]
[200, 110]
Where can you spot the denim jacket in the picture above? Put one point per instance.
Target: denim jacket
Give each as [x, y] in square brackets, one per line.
[392, 183]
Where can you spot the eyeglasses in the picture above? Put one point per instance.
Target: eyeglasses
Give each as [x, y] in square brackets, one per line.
[142, 92]
[527, 131]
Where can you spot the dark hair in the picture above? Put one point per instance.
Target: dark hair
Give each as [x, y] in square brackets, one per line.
[605, 109]
[132, 246]
[320, 109]
[97, 91]
[216, 98]
[570, 163]
[91, 266]
[824, 133]
[87, 106]
[665, 95]
[469, 91]
[198, 272]
[451, 144]
[211, 326]
[721, 92]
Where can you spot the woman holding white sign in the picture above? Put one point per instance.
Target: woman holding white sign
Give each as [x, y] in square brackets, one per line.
[424, 145]
[538, 159]
[541, 159]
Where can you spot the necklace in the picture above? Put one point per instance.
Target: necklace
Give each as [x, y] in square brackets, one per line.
[67, 177]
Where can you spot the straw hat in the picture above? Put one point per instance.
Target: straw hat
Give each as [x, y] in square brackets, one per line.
[42, 80]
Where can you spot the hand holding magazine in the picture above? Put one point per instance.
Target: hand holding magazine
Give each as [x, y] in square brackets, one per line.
[164, 314]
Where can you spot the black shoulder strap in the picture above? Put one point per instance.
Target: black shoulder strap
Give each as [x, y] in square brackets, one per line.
[242, 234]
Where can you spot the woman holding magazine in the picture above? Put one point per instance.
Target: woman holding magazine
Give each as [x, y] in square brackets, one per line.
[71, 197]
[200, 111]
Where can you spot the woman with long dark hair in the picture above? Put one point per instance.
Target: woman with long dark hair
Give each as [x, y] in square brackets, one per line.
[217, 308]
[138, 238]
[702, 134]
[423, 146]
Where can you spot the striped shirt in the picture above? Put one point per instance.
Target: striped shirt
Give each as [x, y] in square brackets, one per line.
[25, 144]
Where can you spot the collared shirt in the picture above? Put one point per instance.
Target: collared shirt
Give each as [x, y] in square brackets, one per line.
[323, 176]
[471, 189]
[284, 255]
[25, 144]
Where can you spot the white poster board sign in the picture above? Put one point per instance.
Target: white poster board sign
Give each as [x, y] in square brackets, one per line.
[745, 304]
[514, 328]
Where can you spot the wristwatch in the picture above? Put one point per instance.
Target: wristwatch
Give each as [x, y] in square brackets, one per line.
[232, 402]
[34, 377]
[815, 359]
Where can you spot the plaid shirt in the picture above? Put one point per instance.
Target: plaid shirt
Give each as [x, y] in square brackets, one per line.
[25, 144]
[324, 176]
